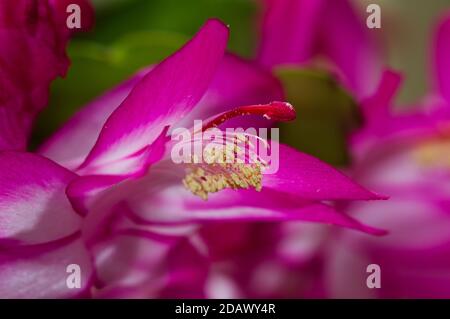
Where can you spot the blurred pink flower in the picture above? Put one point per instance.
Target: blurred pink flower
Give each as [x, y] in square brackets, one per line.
[104, 194]
[33, 39]
[406, 155]
[300, 31]
[403, 154]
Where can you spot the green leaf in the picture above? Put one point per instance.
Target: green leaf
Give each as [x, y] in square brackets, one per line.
[121, 17]
[326, 113]
[138, 49]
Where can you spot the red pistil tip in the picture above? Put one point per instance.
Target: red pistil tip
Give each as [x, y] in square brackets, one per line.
[276, 111]
[279, 111]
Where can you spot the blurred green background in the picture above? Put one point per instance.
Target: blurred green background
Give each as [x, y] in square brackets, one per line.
[130, 34]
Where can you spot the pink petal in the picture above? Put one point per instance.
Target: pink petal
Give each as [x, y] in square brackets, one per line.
[265, 260]
[148, 266]
[32, 55]
[25, 75]
[289, 31]
[296, 31]
[161, 199]
[378, 106]
[308, 178]
[34, 207]
[42, 271]
[385, 126]
[414, 256]
[351, 46]
[237, 82]
[165, 95]
[72, 143]
[83, 189]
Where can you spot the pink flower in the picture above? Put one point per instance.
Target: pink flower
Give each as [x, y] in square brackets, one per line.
[405, 155]
[300, 31]
[33, 39]
[104, 194]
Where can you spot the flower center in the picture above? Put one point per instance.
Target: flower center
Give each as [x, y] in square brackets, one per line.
[225, 166]
[234, 162]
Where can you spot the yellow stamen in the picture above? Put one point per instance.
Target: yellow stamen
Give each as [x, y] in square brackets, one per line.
[221, 170]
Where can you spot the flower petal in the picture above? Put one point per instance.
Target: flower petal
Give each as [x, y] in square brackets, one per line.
[72, 143]
[378, 106]
[160, 198]
[145, 266]
[83, 189]
[295, 31]
[33, 38]
[33, 204]
[414, 257]
[42, 271]
[165, 95]
[237, 82]
[307, 177]
[351, 46]
[289, 30]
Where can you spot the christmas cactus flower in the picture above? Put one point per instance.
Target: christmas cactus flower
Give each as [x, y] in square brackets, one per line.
[104, 193]
[404, 154]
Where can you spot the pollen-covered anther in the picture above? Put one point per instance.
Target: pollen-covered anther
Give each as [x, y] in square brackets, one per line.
[222, 170]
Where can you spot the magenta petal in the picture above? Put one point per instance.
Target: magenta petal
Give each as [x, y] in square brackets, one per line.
[72, 143]
[123, 258]
[296, 31]
[23, 57]
[378, 106]
[83, 189]
[317, 213]
[289, 31]
[150, 202]
[442, 58]
[32, 54]
[165, 95]
[138, 266]
[237, 82]
[351, 47]
[13, 124]
[267, 205]
[33, 204]
[241, 82]
[307, 177]
[418, 241]
[40, 272]
[385, 126]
